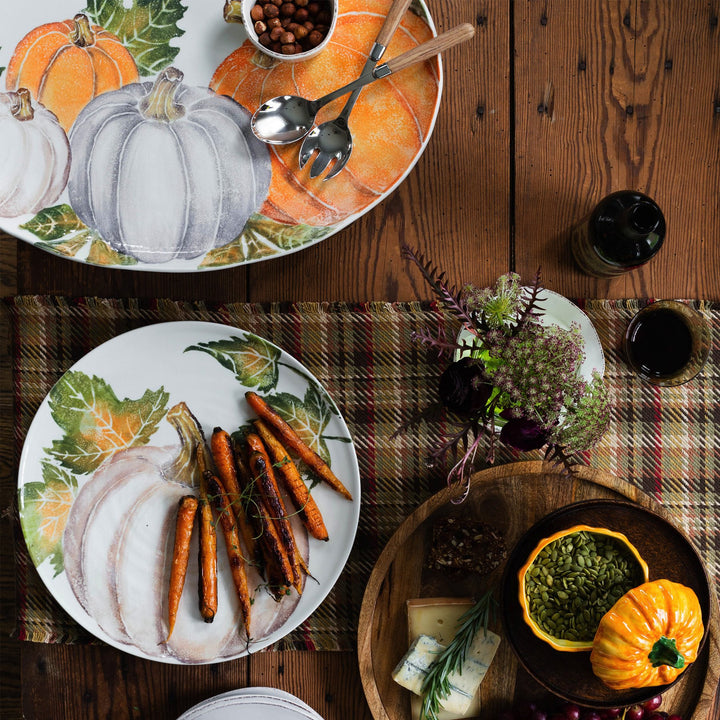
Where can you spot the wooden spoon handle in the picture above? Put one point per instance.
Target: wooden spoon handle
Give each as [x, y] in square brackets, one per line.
[438, 44]
[392, 20]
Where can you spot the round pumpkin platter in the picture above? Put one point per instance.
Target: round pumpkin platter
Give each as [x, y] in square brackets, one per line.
[512, 499]
[108, 456]
[126, 143]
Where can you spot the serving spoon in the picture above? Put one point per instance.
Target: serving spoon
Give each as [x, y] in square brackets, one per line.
[288, 118]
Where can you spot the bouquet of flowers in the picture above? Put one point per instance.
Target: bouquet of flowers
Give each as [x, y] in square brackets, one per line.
[510, 379]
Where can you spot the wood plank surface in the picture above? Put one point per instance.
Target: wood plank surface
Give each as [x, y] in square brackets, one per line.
[553, 104]
[612, 96]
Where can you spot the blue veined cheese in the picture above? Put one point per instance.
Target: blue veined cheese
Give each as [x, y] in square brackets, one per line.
[439, 618]
[412, 669]
[424, 651]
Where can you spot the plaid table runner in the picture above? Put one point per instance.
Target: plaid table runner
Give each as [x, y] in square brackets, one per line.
[662, 440]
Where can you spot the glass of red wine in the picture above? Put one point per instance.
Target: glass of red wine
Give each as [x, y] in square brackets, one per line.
[667, 343]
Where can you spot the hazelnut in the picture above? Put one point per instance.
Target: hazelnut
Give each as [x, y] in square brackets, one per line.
[264, 39]
[301, 32]
[288, 49]
[270, 10]
[273, 22]
[287, 38]
[287, 9]
[313, 8]
[256, 13]
[315, 38]
[301, 15]
[276, 33]
[260, 27]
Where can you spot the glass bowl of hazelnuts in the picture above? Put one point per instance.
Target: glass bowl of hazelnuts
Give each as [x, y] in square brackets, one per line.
[290, 29]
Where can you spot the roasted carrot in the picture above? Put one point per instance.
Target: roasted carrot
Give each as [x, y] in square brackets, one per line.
[224, 510]
[221, 447]
[292, 440]
[279, 569]
[262, 470]
[223, 453]
[187, 507]
[286, 469]
[207, 558]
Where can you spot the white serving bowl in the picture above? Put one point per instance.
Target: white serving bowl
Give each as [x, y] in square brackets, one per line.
[249, 23]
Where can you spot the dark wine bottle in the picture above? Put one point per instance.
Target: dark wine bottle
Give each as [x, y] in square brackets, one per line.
[624, 231]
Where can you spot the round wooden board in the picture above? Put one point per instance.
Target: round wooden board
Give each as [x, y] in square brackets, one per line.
[511, 498]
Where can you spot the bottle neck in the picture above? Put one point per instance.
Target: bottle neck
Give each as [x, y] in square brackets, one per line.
[639, 220]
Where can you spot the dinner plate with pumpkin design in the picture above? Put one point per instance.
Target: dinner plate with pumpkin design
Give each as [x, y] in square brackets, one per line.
[125, 138]
[110, 453]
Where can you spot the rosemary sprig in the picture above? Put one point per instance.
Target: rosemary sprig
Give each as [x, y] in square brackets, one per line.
[436, 685]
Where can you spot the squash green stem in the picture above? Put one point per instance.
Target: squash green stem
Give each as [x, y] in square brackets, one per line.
[20, 105]
[82, 35]
[665, 652]
[159, 104]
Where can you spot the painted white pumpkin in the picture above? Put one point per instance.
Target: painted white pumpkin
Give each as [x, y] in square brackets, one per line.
[163, 170]
[117, 549]
[34, 155]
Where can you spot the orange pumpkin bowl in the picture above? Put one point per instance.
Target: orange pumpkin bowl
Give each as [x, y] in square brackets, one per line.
[558, 643]
[391, 122]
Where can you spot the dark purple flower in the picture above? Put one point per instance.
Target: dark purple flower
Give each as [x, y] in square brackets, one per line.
[463, 388]
[523, 434]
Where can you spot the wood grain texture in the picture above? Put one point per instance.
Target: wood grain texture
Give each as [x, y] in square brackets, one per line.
[613, 95]
[533, 128]
[512, 498]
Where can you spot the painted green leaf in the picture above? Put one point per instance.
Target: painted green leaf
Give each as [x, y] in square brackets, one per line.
[308, 417]
[96, 423]
[54, 223]
[145, 28]
[253, 360]
[62, 232]
[102, 254]
[45, 509]
[69, 246]
[261, 238]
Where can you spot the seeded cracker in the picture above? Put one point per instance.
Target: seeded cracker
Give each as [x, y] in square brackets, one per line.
[465, 546]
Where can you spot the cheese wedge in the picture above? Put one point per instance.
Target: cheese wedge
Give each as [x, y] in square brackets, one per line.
[432, 623]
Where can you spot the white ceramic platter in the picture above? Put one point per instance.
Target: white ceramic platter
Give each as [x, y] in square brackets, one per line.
[98, 489]
[252, 704]
[558, 310]
[146, 160]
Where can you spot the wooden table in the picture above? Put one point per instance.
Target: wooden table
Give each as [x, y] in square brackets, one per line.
[552, 105]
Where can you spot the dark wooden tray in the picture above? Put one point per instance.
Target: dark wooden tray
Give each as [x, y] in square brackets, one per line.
[512, 498]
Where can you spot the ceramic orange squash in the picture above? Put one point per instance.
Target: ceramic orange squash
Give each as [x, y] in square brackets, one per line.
[66, 64]
[648, 637]
[392, 118]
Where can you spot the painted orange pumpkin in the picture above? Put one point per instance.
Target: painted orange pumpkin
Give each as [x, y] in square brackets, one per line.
[392, 119]
[66, 64]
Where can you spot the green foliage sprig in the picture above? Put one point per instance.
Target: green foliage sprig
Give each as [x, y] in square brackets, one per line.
[436, 685]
